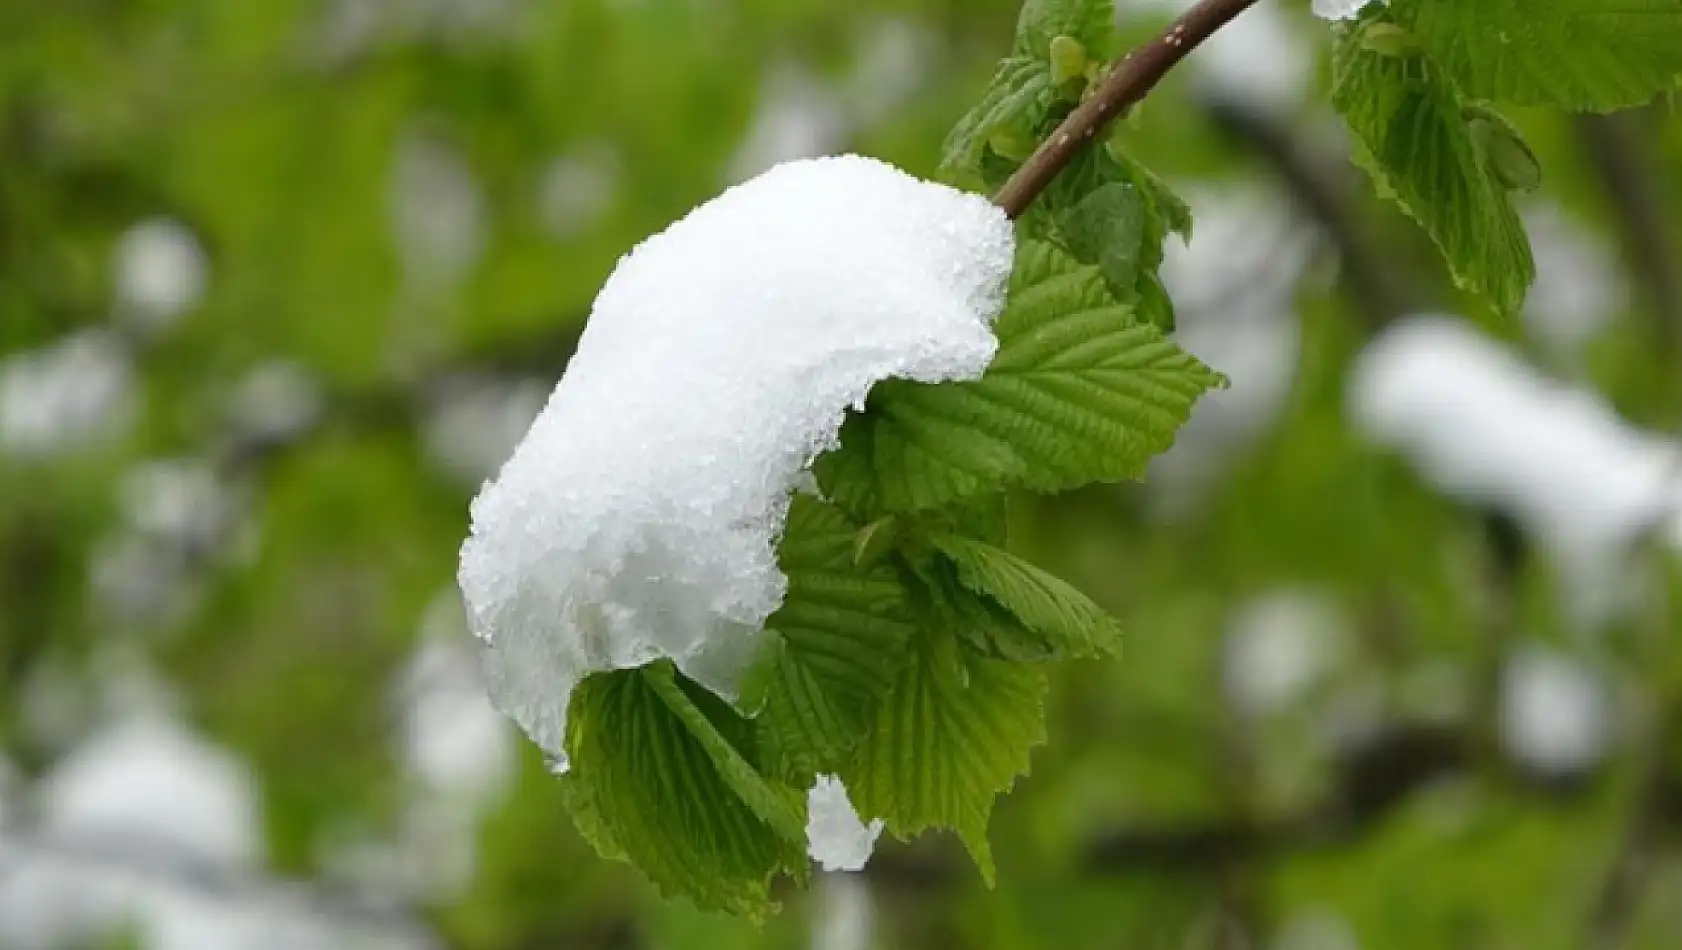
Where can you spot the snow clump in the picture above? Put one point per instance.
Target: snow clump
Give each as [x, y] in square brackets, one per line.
[836, 837]
[638, 519]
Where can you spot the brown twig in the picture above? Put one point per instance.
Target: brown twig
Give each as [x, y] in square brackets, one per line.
[1620, 155]
[1320, 188]
[1134, 76]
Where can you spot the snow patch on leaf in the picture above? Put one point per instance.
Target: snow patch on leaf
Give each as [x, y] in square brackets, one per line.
[836, 837]
[638, 519]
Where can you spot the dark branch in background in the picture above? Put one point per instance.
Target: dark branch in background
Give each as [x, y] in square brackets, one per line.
[394, 405]
[1621, 157]
[1127, 82]
[1373, 779]
[1622, 890]
[1319, 186]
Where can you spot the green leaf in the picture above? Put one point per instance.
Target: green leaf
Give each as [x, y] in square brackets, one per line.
[875, 541]
[1066, 622]
[1079, 392]
[1584, 55]
[1415, 140]
[1016, 111]
[1090, 210]
[842, 634]
[1091, 22]
[1015, 103]
[662, 775]
[1508, 155]
[1169, 212]
[954, 732]
[1107, 228]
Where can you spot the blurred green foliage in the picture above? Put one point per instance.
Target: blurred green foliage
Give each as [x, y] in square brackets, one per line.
[1157, 816]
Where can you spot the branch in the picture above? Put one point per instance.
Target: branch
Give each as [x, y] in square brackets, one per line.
[1127, 82]
[1319, 188]
[1373, 780]
[1620, 155]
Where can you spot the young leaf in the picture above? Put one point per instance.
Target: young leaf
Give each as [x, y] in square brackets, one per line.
[1089, 22]
[1109, 210]
[954, 731]
[1067, 623]
[662, 775]
[841, 636]
[1016, 110]
[1015, 103]
[1584, 55]
[1079, 392]
[1107, 228]
[1417, 143]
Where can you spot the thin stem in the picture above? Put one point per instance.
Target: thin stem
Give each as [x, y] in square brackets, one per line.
[1320, 188]
[1134, 76]
[1620, 153]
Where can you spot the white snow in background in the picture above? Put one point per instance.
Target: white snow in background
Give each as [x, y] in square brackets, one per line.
[1261, 58]
[846, 915]
[836, 837]
[1277, 646]
[273, 401]
[140, 581]
[798, 117]
[474, 422]
[159, 272]
[1315, 929]
[146, 828]
[453, 741]
[459, 755]
[1555, 712]
[177, 514]
[578, 188]
[1579, 287]
[639, 517]
[894, 57]
[1340, 9]
[67, 396]
[141, 793]
[350, 28]
[1234, 289]
[149, 784]
[437, 212]
[182, 501]
[1488, 428]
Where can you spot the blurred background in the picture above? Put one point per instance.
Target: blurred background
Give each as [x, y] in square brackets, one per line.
[282, 281]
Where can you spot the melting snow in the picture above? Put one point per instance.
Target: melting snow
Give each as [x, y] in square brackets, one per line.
[836, 838]
[638, 519]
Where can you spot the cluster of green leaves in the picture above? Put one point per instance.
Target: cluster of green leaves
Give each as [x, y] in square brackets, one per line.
[1105, 209]
[1419, 82]
[908, 657]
